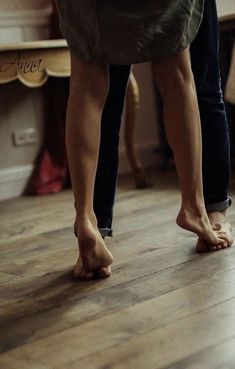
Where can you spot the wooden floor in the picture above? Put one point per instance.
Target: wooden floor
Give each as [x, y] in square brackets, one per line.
[164, 307]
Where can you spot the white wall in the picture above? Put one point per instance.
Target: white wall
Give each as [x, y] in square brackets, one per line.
[20, 108]
[225, 7]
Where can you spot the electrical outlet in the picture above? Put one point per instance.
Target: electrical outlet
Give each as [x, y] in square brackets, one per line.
[25, 136]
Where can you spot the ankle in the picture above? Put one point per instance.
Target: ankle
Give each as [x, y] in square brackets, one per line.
[85, 220]
[196, 209]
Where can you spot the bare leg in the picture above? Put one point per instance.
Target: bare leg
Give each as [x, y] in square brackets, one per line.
[182, 121]
[88, 91]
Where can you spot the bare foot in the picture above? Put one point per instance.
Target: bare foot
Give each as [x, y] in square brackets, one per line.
[94, 258]
[219, 223]
[199, 223]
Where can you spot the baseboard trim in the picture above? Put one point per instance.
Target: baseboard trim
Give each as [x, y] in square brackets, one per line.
[13, 181]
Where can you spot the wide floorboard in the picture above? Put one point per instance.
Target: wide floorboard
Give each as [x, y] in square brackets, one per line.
[165, 307]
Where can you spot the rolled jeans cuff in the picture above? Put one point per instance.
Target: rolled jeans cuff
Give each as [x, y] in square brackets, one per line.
[219, 206]
[106, 232]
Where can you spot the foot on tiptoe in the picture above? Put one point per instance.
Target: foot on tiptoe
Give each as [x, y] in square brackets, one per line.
[94, 258]
[219, 223]
[197, 221]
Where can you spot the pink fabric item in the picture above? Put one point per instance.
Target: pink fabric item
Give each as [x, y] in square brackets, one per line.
[49, 177]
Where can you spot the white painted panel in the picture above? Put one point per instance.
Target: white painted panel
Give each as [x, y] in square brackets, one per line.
[225, 7]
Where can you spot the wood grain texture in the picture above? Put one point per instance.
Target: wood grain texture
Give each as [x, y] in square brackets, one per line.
[164, 307]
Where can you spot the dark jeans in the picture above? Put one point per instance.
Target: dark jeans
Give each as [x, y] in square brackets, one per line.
[106, 176]
[215, 136]
[216, 156]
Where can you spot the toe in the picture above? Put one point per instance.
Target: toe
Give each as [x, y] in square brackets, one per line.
[225, 246]
[223, 238]
[88, 276]
[78, 273]
[216, 227]
[213, 248]
[221, 245]
[84, 275]
[105, 272]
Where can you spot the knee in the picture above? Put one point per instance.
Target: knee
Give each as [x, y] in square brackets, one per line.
[173, 75]
[89, 80]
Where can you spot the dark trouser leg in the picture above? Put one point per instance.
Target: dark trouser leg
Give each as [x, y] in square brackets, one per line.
[106, 176]
[215, 136]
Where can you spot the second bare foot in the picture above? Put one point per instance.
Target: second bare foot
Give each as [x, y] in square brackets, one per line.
[198, 222]
[219, 223]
